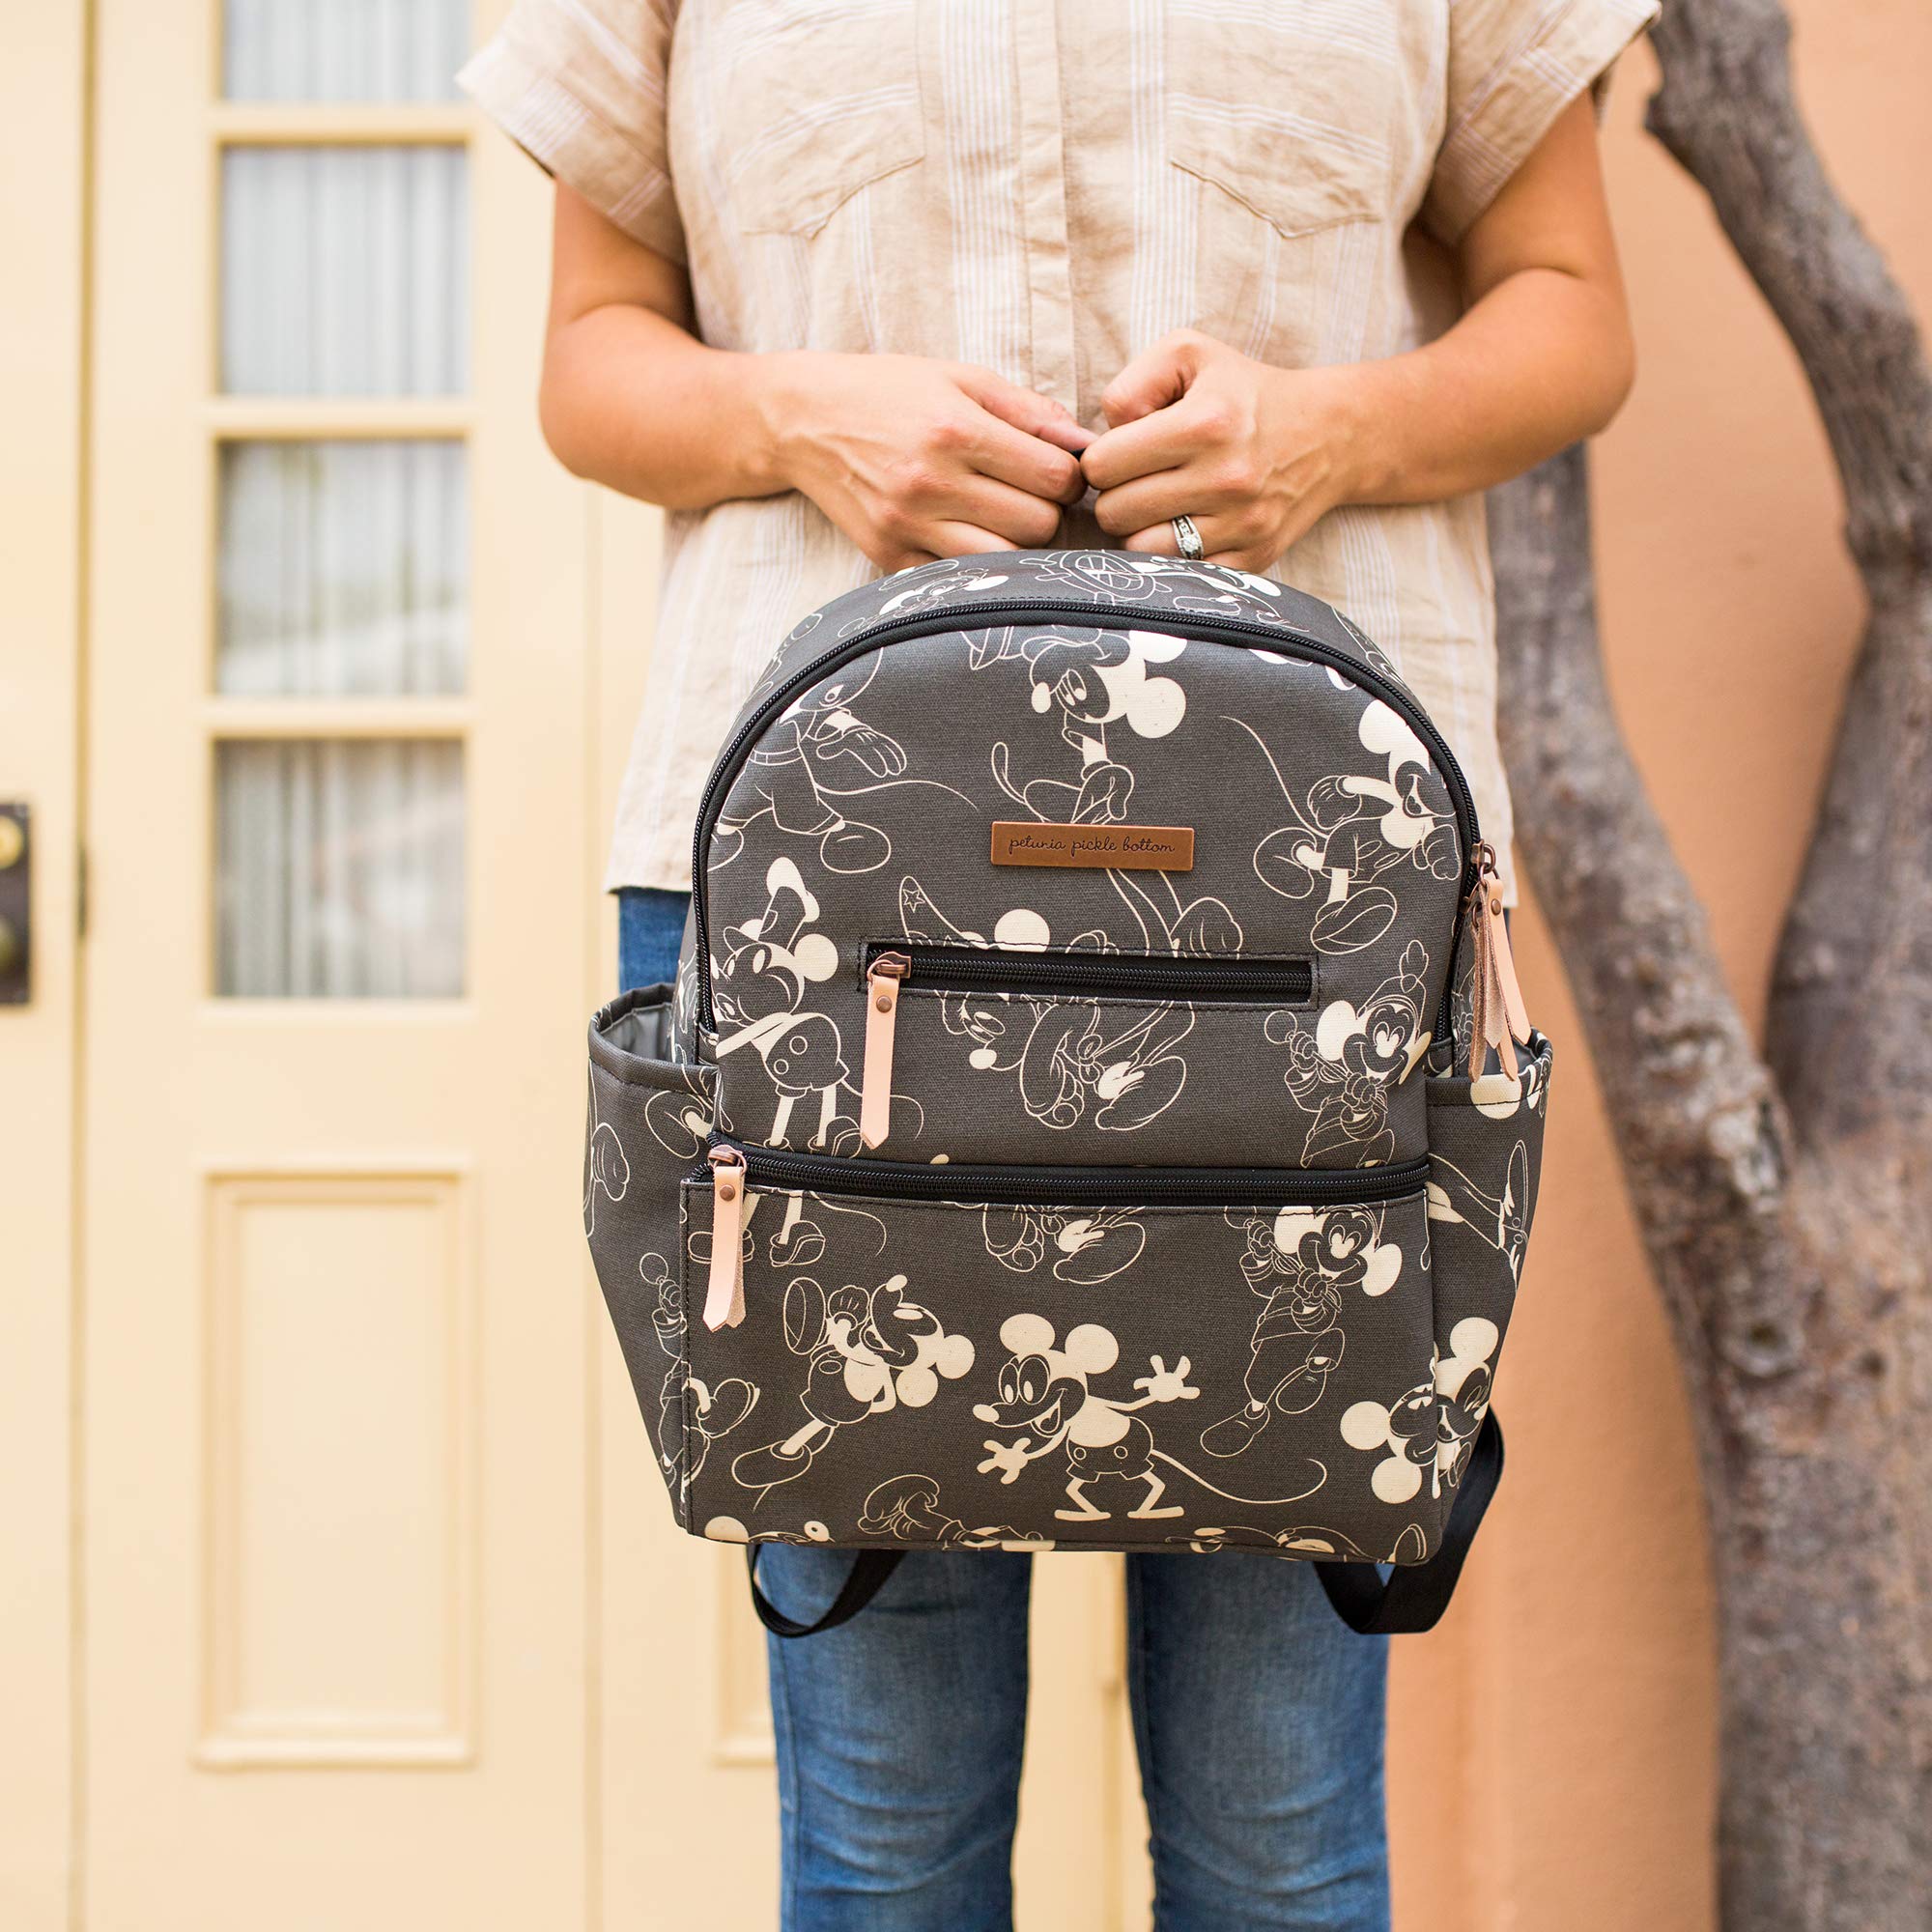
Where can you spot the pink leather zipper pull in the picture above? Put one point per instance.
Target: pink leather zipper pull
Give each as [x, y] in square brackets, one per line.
[725, 1292]
[1500, 1018]
[1507, 984]
[882, 1011]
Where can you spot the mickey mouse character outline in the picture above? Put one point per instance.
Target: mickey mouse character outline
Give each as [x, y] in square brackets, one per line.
[816, 754]
[868, 1351]
[1341, 1072]
[1093, 678]
[1431, 1426]
[1072, 1063]
[691, 1412]
[907, 1509]
[1300, 1262]
[1350, 829]
[1047, 1404]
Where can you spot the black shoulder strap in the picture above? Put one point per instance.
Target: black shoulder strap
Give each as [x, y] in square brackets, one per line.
[862, 1582]
[1414, 1597]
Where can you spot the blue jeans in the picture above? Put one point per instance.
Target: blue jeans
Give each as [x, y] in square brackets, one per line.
[1257, 1716]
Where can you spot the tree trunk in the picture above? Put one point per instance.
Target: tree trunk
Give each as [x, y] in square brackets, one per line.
[1782, 1197]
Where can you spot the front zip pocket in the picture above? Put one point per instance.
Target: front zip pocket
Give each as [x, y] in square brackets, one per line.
[974, 1183]
[972, 1354]
[890, 965]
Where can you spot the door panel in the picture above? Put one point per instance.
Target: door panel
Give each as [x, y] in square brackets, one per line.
[335, 1335]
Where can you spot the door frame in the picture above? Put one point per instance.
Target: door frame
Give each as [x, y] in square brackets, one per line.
[44, 138]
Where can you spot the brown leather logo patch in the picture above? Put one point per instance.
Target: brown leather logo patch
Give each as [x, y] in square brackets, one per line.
[1148, 849]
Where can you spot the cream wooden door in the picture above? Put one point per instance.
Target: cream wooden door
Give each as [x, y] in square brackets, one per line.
[336, 1332]
[384, 1620]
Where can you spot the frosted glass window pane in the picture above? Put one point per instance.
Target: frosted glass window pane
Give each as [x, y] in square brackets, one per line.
[339, 869]
[343, 49]
[344, 570]
[345, 271]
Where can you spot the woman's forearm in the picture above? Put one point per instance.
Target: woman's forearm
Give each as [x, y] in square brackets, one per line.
[1543, 359]
[1540, 356]
[632, 400]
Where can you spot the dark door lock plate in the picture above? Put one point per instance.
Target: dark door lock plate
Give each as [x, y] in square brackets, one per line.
[16, 878]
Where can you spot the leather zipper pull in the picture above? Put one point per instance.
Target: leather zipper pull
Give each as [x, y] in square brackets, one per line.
[1500, 1018]
[725, 1292]
[882, 1011]
[1507, 984]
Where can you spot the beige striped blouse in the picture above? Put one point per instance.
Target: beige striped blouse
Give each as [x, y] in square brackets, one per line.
[1045, 187]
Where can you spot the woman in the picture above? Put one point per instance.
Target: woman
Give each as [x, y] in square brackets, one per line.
[850, 284]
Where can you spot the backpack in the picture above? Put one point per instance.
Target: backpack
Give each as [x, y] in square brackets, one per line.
[1094, 1109]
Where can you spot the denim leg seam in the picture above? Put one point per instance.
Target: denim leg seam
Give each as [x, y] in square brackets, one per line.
[1139, 1711]
[788, 1784]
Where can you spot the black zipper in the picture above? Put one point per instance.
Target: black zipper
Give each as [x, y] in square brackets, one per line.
[1032, 1185]
[930, 623]
[999, 969]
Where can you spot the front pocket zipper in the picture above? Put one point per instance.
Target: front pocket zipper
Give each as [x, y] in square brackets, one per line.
[893, 964]
[1006, 969]
[736, 1171]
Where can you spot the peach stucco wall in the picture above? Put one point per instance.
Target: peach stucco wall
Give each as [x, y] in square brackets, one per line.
[1553, 1761]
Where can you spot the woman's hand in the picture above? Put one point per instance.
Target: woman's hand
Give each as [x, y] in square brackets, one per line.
[911, 458]
[1254, 454]
[915, 459]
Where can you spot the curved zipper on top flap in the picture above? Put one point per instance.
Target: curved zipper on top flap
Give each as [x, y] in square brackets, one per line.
[1232, 631]
[893, 964]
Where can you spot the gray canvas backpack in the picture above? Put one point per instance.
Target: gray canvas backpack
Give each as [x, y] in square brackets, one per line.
[1094, 1109]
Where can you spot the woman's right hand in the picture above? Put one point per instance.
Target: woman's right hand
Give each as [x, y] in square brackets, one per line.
[915, 459]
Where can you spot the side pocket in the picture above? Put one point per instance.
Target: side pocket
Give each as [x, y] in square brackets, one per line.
[648, 1119]
[1485, 1158]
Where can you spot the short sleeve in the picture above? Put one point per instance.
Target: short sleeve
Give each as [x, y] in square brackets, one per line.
[580, 86]
[1514, 66]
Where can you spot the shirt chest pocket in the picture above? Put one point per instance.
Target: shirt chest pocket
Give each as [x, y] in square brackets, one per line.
[1288, 110]
[820, 98]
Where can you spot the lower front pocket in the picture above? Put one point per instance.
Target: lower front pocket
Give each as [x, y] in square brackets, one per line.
[1135, 1373]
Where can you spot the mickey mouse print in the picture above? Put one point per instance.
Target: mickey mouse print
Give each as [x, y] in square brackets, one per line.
[1186, 1212]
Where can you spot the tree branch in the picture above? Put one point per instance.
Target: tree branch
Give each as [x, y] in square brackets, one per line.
[1795, 1283]
[1792, 1260]
[1703, 1135]
[1850, 1034]
[1725, 109]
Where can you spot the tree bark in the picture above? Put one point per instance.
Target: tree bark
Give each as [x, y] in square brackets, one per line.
[1781, 1196]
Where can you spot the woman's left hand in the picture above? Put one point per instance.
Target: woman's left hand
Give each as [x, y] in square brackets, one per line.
[1253, 453]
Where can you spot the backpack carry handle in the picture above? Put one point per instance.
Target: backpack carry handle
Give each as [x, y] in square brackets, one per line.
[1413, 1599]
